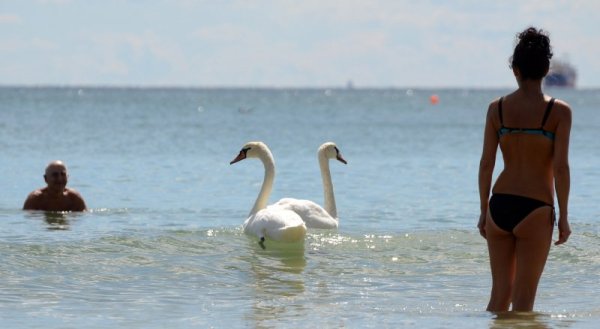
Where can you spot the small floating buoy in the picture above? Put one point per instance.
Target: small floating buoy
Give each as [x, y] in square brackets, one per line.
[434, 99]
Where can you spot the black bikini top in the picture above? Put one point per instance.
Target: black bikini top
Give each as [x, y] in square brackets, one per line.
[533, 131]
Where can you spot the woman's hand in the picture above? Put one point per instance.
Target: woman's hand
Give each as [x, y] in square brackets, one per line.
[481, 226]
[564, 231]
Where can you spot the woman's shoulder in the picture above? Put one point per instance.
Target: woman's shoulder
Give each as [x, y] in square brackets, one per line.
[493, 105]
[559, 103]
[561, 108]
[492, 111]
[494, 102]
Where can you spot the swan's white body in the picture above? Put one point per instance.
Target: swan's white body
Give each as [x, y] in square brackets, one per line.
[269, 222]
[276, 223]
[313, 215]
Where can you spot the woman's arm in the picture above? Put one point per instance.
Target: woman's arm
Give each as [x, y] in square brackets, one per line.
[486, 165]
[562, 175]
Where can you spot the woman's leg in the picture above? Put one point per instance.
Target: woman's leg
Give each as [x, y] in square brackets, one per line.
[534, 237]
[501, 247]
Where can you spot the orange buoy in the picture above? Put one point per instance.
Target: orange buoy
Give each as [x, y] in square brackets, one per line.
[434, 99]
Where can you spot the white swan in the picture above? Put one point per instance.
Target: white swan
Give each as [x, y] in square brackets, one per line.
[313, 215]
[269, 222]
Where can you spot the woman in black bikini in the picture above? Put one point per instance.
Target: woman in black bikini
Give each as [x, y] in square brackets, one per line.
[532, 130]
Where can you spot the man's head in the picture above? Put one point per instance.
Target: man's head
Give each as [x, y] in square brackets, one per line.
[56, 175]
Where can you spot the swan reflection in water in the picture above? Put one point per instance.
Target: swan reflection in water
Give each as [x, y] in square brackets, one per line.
[278, 282]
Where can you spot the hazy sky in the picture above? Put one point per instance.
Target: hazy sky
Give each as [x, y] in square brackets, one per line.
[284, 43]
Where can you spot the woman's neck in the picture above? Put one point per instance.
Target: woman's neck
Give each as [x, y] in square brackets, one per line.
[531, 88]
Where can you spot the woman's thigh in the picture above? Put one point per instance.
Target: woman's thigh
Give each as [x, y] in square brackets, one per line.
[534, 237]
[501, 247]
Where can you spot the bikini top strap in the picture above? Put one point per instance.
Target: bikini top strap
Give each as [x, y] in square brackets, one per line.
[548, 110]
[500, 111]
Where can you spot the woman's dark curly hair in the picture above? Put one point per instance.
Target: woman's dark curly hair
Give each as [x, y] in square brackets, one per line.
[532, 54]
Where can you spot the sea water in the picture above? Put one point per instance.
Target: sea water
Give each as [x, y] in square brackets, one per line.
[162, 244]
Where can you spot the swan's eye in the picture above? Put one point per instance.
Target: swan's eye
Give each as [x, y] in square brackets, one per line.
[245, 150]
[336, 150]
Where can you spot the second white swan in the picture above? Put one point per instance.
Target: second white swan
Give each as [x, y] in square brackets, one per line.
[313, 215]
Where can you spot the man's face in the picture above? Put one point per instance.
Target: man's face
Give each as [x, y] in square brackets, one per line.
[56, 176]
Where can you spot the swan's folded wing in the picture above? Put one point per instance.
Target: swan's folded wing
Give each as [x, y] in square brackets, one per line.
[311, 213]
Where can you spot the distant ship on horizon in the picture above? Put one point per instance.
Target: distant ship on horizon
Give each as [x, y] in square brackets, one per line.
[561, 74]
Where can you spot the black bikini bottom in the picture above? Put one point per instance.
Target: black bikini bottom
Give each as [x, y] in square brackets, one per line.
[508, 210]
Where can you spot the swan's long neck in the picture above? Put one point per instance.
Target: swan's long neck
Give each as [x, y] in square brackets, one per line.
[267, 185]
[329, 203]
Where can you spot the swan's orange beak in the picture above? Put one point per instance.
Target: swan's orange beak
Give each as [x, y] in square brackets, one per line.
[341, 159]
[240, 157]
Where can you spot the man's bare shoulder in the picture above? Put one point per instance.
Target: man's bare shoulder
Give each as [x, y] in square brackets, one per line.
[33, 200]
[72, 192]
[36, 193]
[78, 201]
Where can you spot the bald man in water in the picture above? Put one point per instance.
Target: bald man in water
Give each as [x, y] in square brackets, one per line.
[56, 196]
